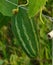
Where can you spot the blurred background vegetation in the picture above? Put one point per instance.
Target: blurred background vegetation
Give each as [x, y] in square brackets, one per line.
[10, 51]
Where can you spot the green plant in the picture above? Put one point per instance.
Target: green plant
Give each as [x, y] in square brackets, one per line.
[28, 21]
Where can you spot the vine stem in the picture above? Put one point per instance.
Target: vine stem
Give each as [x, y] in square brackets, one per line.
[41, 16]
[18, 5]
[22, 6]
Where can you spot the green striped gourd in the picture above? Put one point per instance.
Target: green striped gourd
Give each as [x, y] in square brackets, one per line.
[25, 31]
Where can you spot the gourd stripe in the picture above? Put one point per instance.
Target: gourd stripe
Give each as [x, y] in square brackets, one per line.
[27, 20]
[30, 33]
[17, 36]
[22, 33]
[34, 34]
[30, 43]
[18, 31]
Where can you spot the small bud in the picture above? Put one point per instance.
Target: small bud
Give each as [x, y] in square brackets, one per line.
[50, 35]
[15, 11]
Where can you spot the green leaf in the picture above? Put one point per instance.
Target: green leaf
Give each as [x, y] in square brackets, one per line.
[4, 20]
[35, 6]
[6, 7]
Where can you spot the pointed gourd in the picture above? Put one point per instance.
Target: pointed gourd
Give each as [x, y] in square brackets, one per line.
[24, 29]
